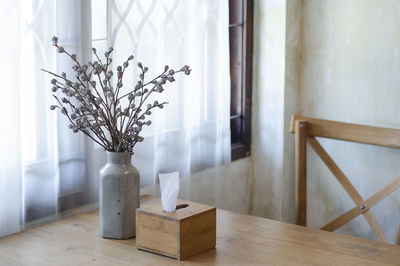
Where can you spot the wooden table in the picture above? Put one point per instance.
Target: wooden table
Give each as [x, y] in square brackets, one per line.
[241, 240]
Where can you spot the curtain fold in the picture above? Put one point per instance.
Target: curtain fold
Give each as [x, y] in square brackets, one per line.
[44, 168]
[10, 157]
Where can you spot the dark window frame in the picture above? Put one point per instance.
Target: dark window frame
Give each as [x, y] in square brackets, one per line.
[241, 53]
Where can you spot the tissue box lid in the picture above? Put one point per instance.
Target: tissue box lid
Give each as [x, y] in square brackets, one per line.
[185, 209]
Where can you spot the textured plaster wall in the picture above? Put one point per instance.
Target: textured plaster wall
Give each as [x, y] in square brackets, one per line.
[226, 187]
[350, 71]
[268, 109]
[333, 59]
[292, 82]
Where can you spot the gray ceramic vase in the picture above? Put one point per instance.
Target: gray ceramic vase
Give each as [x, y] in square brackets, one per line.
[119, 196]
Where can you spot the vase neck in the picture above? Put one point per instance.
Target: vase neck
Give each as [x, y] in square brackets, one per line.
[119, 157]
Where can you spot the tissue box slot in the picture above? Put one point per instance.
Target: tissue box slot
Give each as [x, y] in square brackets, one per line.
[181, 234]
[181, 206]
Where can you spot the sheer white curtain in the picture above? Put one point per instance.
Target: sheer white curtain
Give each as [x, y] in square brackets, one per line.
[44, 168]
[193, 131]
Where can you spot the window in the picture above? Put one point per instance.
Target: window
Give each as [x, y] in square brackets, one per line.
[241, 44]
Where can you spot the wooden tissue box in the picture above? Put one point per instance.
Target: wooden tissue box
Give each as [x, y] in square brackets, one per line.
[185, 232]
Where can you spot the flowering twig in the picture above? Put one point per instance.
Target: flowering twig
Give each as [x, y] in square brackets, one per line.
[100, 112]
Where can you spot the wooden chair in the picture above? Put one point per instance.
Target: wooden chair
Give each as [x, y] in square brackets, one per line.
[305, 130]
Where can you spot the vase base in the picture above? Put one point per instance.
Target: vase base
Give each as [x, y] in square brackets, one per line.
[117, 238]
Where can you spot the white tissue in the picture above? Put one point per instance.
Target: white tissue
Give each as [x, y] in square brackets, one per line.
[169, 185]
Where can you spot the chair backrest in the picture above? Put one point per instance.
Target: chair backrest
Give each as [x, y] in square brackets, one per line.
[305, 130]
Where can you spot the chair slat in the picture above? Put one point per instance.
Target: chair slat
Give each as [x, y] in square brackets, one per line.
[383, 193]
[309, 128]
[369, 203]
[342, 219]
[370, 217]
[346, 184]
[336, 171]
[350, 132]
[301, 172]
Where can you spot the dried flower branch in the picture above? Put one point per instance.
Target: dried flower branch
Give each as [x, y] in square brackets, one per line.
[93, 105]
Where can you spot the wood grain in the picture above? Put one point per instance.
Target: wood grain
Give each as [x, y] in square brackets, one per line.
[342, 131]
[197, 234]
[351, 132]
[165, 241]
[241, 240]
[180, 234]
[342, 219]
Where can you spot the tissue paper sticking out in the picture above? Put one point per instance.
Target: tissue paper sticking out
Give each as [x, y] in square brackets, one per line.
[169, 185]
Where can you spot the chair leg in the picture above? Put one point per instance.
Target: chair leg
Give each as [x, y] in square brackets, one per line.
[398, 237]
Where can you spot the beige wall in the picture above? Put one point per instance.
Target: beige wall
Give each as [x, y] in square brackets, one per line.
[254, 185]
[351, 72]
[333, 59]
[268, 108]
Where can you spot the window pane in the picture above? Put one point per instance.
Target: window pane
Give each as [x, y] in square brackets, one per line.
[236, 11]
[235, 44]
[236, 130]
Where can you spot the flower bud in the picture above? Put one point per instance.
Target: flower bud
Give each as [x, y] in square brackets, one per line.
[54, 40]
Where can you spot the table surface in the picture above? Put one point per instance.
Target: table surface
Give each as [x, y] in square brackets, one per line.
[241, 240]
